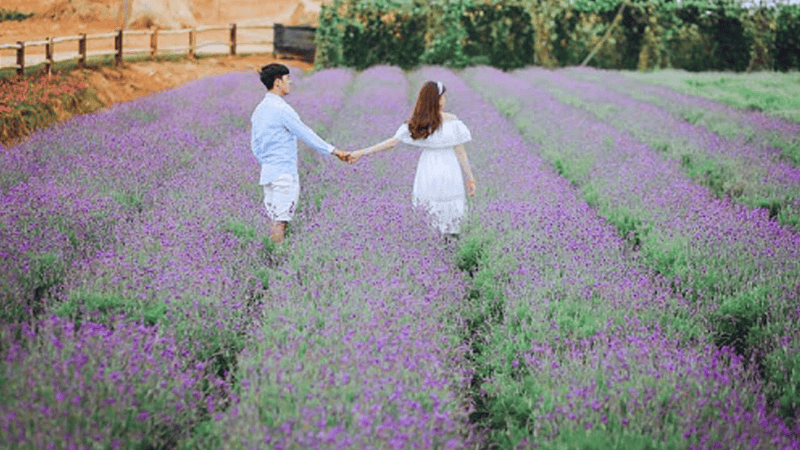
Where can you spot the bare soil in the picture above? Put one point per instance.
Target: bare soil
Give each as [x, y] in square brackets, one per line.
[136, 79]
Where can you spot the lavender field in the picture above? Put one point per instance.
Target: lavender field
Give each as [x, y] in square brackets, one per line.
[627, 277]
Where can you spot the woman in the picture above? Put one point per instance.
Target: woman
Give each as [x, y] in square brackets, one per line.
[438, 184]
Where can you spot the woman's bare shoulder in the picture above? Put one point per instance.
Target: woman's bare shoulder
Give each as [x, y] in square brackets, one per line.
[448, 117]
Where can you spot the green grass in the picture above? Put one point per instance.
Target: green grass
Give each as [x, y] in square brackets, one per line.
[775, 93]
[7, 15]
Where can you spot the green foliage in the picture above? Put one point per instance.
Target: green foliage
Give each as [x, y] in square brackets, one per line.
[102, 308]
[600, 439]
[46, 270]
[470, 253]
[31, 103]
[782, 369]
[581, 30]
[668, 260]
[787, 38]
[509, 107]
[382, 36]
[263, 275]
[631, 228]
[270, 251]
[9, 15]
[139, 116]
[789, 216]
[203, 436]
[501, 37]
[132, 200]
[776, 94]
[407, 33]
[695, 34]
[736, 316]
[773, 205]
[328, 37]
[155, 313]
[242, 231]
[790, 151]
[712, 174]
[447, 36]
[366, 33]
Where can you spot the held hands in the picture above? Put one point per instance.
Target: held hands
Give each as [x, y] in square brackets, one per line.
[348, 157]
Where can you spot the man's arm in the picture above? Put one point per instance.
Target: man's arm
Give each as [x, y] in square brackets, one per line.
[306, 134]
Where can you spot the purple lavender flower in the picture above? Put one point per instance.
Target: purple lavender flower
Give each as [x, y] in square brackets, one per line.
[751, 172]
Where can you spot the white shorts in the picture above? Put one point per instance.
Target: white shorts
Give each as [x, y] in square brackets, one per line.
[281, 196]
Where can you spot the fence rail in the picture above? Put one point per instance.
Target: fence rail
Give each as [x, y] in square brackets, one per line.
[231, 45]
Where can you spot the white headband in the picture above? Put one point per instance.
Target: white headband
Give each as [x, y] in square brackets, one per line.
[439, 85]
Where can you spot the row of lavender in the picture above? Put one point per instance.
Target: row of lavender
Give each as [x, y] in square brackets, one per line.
[736, 268]
[574, 348]
[749, 126]
[359, 345]
[537, 263]
[131, 256]
[140, 229]
[147, 307]
[741, 163]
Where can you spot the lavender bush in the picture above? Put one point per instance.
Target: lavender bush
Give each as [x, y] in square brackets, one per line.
[736, 124]
[738, 268]
[147, 233]
[81, 387]
[570, 346]
[755, 174]
[359, 343]
[146, 307]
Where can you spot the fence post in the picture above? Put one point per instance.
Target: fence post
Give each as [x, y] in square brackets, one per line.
[154, 44]
[192, 38]
[118, 48]
[21, 58]
[48, 56]
[82, 51]
[233, 39]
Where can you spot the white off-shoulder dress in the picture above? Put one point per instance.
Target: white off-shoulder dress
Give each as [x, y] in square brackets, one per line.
[439, 184]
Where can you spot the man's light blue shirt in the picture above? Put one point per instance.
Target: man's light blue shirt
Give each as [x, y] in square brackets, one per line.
[275, 129]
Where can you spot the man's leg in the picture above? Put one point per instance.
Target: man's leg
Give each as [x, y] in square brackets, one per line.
[280, 199]
[278, 231]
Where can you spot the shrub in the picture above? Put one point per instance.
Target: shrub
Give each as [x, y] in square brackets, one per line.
[28, 104]
[7, 15]
[124, 385]
[736, 316]
[787, 38]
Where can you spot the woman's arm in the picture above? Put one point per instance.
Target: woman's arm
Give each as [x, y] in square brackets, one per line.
[461, 154]
[387, 144]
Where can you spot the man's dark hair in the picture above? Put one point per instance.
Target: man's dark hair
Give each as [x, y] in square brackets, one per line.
[271, 72]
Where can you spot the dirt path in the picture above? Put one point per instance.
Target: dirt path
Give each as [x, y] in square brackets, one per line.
[135, 80]
[57, 18]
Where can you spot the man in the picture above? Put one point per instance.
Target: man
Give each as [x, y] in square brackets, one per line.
[275, 129]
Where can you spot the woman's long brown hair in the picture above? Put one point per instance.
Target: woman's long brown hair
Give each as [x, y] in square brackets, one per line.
[427, 116]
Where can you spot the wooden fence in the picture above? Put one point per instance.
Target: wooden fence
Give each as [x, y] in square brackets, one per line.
[120, 49]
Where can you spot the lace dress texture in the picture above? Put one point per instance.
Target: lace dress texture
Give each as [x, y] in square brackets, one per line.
[438, 183]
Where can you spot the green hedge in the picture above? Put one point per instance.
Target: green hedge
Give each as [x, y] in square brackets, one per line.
[457, 33]
[695, 35]
[787, 38]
